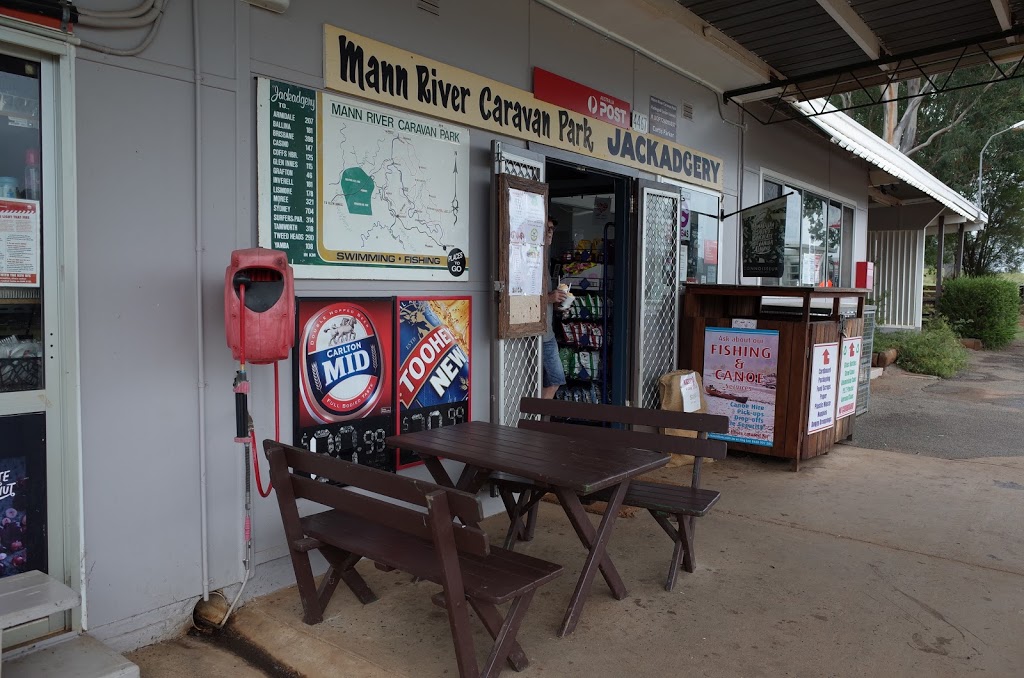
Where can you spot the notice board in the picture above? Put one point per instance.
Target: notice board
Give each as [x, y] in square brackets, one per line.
[522, 257]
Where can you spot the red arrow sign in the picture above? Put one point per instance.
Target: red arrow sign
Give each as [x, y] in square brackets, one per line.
[825, 354]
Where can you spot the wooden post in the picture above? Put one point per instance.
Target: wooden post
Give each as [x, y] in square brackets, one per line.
[938, 268]
[958, 262]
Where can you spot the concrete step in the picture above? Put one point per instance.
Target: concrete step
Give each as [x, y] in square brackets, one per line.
[80, 657]
[33, 595]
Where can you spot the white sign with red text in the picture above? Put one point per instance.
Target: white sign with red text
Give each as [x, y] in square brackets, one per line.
[822, 413]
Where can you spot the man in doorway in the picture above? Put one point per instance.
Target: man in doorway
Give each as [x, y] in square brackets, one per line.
[553, 373]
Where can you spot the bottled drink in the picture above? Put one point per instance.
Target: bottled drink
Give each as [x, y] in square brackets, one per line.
[32, 184]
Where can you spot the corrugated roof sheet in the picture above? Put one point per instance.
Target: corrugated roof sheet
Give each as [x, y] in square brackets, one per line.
[913, 24]
[859, 140]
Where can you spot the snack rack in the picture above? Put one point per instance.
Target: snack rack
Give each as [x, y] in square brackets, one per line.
[583, 329]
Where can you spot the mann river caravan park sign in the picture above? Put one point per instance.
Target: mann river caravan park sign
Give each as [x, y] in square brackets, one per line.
[374, 70]
[349, 189]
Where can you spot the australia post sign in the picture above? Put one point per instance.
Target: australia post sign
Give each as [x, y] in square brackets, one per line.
[570, 94]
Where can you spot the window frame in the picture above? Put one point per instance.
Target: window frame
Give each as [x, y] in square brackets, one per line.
[767, 174]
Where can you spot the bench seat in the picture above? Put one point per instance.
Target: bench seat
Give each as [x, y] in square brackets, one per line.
[672, 499]
[497, 578]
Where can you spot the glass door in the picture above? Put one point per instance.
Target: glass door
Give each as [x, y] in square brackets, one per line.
[31, 485]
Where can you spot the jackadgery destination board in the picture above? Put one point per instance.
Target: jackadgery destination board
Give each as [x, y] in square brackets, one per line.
[353, 190]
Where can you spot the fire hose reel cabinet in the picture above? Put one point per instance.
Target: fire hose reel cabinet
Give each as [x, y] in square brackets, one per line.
[269, 313]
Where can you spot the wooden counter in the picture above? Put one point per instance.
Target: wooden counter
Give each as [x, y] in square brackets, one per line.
[803, 317]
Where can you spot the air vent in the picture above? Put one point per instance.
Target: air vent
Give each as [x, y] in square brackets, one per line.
[688, 111]
[432, 6]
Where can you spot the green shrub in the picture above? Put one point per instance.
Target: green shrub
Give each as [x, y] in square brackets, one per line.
[986, 308]
[885, 340]
[935, 350]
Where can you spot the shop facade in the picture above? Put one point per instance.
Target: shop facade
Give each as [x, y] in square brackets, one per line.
[153, 169]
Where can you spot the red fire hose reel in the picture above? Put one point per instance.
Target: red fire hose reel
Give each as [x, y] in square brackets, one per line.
[259, 322]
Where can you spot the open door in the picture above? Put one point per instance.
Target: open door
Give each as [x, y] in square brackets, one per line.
[656, 315]
[515, 361]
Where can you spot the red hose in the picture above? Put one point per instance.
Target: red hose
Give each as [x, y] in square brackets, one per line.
[256, 468]
[277, 401]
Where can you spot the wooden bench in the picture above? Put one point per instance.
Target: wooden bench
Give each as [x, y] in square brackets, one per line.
[664, 502]
[426, 544]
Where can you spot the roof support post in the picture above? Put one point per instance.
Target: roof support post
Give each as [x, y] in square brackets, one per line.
[958, 262]
[938, 263]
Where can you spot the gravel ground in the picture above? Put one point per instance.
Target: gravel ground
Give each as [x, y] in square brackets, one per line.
[979, 413]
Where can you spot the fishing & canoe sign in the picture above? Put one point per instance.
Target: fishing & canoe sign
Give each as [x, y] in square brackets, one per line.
[740, 377]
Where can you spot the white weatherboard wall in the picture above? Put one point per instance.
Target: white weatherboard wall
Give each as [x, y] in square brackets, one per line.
[137, 259]
[899, 276]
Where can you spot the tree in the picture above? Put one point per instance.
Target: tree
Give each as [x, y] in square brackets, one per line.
[944, 133]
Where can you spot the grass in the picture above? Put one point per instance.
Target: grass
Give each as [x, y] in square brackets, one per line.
[935, 350]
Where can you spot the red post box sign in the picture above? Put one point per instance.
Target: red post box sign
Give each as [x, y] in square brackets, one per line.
[865, 275]
[269, 312]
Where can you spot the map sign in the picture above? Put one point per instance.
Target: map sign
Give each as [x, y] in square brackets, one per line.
[360, 191]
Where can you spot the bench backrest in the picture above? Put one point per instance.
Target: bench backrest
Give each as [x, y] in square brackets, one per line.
[443, 504]
[698, 447]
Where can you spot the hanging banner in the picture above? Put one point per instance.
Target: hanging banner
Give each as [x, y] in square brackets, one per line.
[822, 413]
[20, 239]
[764, 239]
[23, 544]
[849, 373]
[740, 376]
[350, 190]
[434, 366]
[343, 379]
[374, 70]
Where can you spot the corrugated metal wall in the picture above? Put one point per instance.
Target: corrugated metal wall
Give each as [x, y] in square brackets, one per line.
[899, 276]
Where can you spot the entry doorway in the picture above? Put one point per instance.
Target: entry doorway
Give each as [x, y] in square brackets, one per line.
[590, 253]
[39, 491]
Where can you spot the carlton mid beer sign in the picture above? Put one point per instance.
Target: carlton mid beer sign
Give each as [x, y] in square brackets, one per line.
[374, 70]
[343, 374]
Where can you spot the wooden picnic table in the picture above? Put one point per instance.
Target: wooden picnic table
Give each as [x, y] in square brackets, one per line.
[570, 468]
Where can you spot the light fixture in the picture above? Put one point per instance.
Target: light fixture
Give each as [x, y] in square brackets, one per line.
[279, 6]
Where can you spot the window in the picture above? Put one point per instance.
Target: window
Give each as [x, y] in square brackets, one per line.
[21, 284]
[815, 229]
[701, 245]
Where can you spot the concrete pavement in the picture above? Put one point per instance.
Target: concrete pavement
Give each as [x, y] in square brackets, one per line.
[978, 413]
[863, 564]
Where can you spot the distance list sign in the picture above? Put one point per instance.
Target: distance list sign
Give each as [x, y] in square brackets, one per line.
[823, 387]
[354, 190]
[740, 375]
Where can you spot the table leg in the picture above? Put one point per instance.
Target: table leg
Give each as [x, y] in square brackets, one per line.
[437, 471]
[597, 558]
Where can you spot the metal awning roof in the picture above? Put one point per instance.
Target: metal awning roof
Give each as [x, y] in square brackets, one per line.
[859, 140]
[820, 48]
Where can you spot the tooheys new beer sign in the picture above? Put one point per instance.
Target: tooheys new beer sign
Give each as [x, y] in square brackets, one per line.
[434, 365]
[377, 71]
